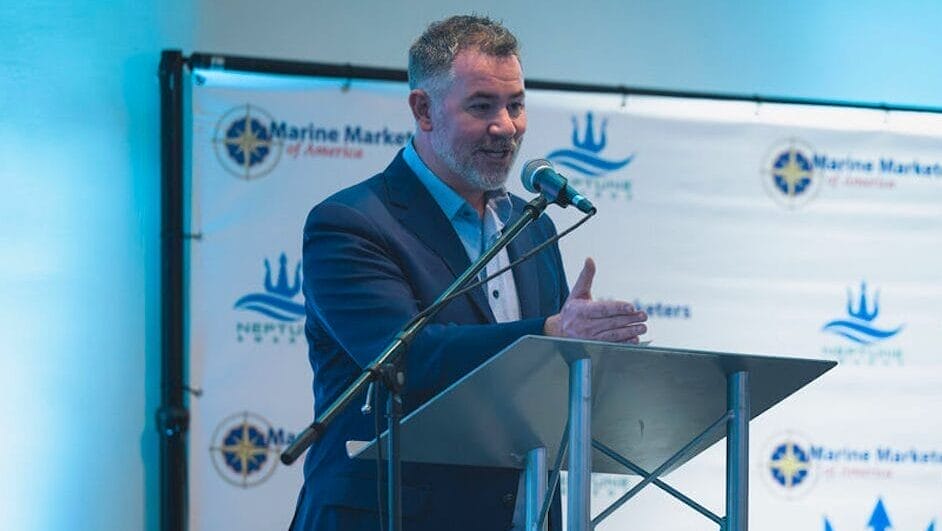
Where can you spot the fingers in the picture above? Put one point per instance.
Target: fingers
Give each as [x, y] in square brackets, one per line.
[606, 309]
[617, 334]
[627, 334]
[614, 321]
[583, 318]
[634, 322]
[582, 289]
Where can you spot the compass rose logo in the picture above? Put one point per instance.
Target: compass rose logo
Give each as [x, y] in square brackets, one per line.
[242, 450]
[789, 469]
[789, 464]
[244, 144]
[788, 174]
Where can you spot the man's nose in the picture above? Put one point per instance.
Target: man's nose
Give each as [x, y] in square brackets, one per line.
[503, 125]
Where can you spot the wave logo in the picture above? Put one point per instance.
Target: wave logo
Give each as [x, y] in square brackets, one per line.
[788, 174]
[879, 520]
[858, 325]
[245, 447]
[245, 145]
[584, 156]
[277, 302]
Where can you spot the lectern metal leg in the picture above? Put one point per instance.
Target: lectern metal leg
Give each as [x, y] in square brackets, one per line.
[580, 444]
[551, 488]
[737, 452]
[535, 487]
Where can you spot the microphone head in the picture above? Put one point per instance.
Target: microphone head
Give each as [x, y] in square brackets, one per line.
[530, 169]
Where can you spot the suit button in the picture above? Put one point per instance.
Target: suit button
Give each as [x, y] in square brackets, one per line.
[508, 499]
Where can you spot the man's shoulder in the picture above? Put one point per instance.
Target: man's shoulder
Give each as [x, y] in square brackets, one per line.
[351, 206]
[368, 192]
[358, 194]
[368, 202]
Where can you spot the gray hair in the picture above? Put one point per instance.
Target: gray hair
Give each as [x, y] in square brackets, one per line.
[432, 54]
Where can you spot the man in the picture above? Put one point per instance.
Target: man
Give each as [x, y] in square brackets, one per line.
[381, 251]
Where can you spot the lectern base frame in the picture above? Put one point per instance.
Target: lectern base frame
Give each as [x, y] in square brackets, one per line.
[736, 420]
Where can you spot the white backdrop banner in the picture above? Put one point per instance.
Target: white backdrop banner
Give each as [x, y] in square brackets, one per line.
[787, 230]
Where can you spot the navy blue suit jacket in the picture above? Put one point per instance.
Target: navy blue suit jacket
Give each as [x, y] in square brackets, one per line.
[374, 255]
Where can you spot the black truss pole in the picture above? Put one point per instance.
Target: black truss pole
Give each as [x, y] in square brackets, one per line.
[348, 71]
[173, 416]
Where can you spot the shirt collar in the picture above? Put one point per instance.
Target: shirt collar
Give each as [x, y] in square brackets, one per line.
[449, 200]
[499, 201]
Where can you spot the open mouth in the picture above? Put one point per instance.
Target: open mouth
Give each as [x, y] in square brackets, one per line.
[498, 154]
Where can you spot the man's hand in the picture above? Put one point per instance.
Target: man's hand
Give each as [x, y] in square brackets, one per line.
[583, 318]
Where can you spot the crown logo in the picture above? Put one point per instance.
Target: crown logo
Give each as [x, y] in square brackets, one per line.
[588, 142]
[862, 312]
[858, 325]
[282, 287]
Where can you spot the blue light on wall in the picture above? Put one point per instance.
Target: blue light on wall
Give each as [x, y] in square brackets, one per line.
[79, 246]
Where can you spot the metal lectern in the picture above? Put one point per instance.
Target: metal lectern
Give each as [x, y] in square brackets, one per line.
[646, 410]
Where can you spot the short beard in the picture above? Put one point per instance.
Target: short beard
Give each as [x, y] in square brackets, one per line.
[474, 178]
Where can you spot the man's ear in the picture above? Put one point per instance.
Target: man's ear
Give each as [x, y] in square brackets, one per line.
[420, 103]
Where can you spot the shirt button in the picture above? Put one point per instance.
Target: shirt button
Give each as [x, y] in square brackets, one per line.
[508, 499]
[496, 294]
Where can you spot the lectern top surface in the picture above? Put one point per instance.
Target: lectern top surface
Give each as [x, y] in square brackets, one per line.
[648, 402]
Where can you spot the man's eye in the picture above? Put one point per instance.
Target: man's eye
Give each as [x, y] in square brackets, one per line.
[480, 107]
[515, 108]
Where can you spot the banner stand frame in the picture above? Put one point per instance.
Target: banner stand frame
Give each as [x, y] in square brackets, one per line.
[173, 415]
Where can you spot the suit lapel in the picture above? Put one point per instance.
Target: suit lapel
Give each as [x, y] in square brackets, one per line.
[417, 210]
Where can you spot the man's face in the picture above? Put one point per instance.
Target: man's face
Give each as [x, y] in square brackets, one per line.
[479, 120]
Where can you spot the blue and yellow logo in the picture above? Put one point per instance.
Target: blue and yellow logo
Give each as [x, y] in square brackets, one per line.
[244, 142]
[243, 450]
[858, 326]
[788, 174]
[277, 301]
[789, 468]
[789, 464]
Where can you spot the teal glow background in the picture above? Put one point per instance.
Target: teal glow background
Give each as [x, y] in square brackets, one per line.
[79, 176]
[79, 244]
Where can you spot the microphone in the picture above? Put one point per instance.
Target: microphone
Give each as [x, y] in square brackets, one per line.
[539, 177]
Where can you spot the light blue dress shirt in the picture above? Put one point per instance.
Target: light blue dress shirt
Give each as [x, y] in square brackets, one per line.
[475, 232]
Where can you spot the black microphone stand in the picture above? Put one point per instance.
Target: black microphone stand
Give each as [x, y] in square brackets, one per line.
[387, 368]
